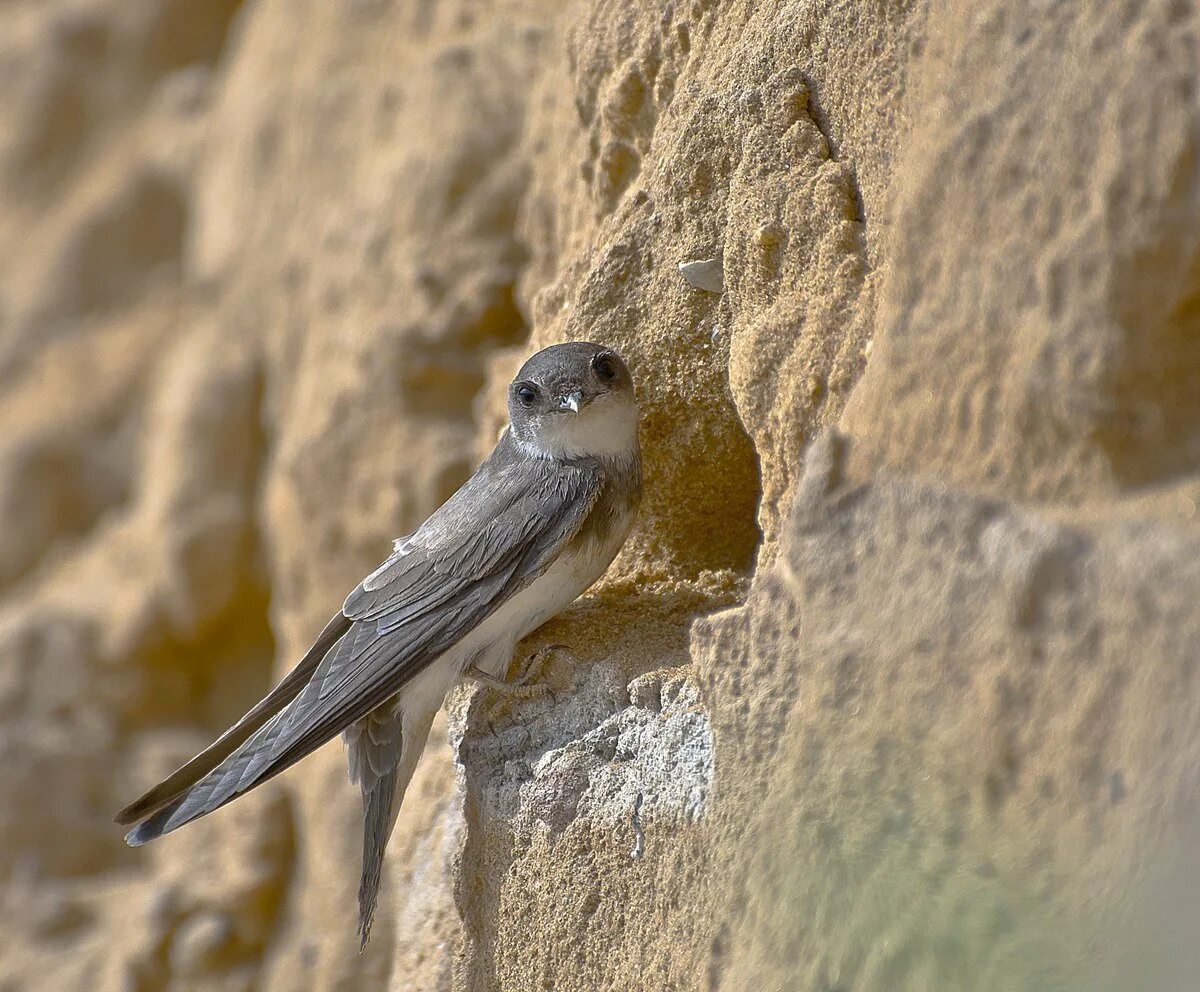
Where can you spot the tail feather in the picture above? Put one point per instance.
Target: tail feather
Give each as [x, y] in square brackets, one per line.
[378, 807]
[384, 750]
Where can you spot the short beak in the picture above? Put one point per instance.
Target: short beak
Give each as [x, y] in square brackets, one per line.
[571, 401]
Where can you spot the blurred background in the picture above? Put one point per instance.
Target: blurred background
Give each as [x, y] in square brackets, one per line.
[895, 685]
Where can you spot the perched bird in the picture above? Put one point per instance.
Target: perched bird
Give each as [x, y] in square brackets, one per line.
[538, 522]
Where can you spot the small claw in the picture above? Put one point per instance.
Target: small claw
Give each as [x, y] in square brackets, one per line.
[508, 687]
[520, 683]
[536, 661]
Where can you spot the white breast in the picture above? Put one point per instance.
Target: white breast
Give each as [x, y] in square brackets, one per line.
[490, 645]
[548, 594]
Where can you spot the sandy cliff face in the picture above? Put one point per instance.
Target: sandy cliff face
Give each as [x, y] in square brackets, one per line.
[893, 686]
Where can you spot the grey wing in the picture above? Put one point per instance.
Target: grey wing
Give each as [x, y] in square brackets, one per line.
[494, 536]
[185, 777]
[497, 534]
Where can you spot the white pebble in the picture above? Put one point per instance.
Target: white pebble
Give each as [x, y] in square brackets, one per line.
[707, 274]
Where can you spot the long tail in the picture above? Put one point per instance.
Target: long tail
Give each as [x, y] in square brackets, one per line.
[379, 809]
[384, 750]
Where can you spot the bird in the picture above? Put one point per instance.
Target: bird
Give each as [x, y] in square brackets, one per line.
[541, 520]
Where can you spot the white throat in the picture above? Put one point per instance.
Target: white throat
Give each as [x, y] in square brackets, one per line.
[606, 428]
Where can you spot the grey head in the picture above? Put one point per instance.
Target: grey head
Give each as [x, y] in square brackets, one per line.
[574, 400]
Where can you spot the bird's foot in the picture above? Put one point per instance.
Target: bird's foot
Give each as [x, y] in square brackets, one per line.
[522, 684]
[537, 661]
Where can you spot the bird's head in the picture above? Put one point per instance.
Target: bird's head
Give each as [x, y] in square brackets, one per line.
[574, 400]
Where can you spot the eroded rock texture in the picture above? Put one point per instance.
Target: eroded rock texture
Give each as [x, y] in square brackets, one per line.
[894, 686]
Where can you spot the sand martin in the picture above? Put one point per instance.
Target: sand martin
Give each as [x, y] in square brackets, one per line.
[538, 522]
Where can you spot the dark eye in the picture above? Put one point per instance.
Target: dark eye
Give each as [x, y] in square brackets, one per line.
[526, 394]
[605, 367]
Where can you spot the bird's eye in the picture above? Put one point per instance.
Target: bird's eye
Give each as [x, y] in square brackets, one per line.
[605, 367]
[526, 394]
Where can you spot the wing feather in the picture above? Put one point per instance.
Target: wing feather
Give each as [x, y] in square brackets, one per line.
[501, 530]
[287, 690]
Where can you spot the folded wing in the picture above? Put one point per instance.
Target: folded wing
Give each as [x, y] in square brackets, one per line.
[489, 540]
[288, 689]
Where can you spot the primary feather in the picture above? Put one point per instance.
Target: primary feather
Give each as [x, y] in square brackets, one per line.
[494, 536]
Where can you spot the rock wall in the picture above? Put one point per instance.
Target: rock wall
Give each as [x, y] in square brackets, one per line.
[894, 686]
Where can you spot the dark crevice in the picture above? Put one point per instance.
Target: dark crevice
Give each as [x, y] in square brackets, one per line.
[204, 678]
[1152, 434]
[60, 489]
[444, 376]
[95, 76]
[183, 33]
[822, 122]
[127, 248]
